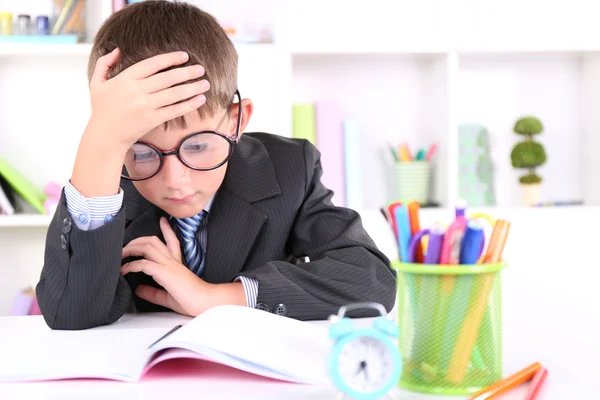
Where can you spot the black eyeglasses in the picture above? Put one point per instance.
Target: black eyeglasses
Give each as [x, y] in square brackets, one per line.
[200, 151]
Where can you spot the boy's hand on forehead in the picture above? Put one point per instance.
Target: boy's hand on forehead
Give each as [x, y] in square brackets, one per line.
[140, 98]
[182, 288]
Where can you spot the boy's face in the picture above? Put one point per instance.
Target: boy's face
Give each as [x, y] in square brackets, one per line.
[177, 189]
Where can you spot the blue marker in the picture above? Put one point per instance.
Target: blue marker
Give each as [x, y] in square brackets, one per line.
[403, 224]
[472, 243]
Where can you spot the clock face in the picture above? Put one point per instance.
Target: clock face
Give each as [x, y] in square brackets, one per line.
[366, 364]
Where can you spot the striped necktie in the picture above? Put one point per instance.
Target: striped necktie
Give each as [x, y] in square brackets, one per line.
[192, 251]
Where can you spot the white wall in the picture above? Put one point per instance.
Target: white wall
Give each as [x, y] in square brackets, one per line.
[496, 90]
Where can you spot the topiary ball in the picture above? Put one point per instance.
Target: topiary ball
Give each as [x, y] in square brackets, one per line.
[528, 126]
[528, 154]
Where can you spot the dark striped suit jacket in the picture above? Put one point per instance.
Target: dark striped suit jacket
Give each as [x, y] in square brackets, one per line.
[270, 212]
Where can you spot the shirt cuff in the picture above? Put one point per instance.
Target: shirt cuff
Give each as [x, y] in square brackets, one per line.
[250, 289]
[91, 212]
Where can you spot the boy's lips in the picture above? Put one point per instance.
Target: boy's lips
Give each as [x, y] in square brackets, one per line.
[181, 200]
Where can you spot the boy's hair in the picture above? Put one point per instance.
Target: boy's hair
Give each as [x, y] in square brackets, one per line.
[149, 28]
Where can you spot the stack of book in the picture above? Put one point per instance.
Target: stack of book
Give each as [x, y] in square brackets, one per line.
[338, 139]
[18, 194]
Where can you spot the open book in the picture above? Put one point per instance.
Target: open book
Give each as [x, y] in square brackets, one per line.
[243, 338]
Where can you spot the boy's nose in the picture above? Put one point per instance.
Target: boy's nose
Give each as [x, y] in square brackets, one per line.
[174, 173]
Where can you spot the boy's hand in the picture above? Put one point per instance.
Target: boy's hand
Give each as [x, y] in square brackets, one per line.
[129, 105]
[184, 289]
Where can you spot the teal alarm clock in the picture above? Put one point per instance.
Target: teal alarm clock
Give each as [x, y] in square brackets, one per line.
[364, 363]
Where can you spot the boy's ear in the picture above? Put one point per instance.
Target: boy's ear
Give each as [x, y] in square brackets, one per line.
[247, 108]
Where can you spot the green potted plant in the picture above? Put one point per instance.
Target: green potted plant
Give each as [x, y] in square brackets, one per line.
[529, 155]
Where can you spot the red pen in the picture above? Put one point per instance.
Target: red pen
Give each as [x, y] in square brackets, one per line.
[537, 382]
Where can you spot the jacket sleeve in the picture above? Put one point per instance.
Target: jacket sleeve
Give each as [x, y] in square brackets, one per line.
[344, 265]
[80, 284]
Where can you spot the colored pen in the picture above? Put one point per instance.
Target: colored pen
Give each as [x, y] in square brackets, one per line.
[490, 220]
[414, 243]
[420, 155]
[415, 226]
[404, 153]
[472, 243]
[451, 246]
[497, 242]
[434, 248]
[507, 383]
[403, 224]
[536, 385]
[391, 208]
[431, 152]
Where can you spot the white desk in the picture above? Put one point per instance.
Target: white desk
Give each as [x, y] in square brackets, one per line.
[561, 382]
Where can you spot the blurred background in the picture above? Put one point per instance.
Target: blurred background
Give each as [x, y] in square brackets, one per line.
[494, 102]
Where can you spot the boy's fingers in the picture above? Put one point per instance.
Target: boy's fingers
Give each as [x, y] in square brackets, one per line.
[103, 66]
[152, 65]
[145, 266]
[160, 297]
[172, 77]
[151, 240]
[146, 250]
[177, 110]
[179, 93]
[171, 239]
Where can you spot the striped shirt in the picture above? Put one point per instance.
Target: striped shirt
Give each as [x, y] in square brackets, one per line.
[90, 213]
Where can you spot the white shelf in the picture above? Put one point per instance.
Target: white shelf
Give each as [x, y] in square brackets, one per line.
[25, 221]
[83, 49]
[19, 49]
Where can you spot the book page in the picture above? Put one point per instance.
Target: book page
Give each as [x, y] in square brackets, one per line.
[95, 353]
[259, 342]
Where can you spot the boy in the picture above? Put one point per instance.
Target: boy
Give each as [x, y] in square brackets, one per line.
[169, 207]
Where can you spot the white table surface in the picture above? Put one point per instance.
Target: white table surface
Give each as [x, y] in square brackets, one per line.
[561, 383]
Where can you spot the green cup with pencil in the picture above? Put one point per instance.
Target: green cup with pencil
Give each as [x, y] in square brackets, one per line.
[451, 340]
[412, 173]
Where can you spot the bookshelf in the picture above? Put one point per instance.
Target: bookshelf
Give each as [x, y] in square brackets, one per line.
[407, 71]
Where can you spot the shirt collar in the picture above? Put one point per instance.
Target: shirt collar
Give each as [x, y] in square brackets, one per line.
[205, 209]
[209, 204]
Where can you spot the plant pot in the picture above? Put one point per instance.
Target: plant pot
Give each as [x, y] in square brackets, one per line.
[531, 193]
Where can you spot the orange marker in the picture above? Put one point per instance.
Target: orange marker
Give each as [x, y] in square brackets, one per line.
[507, 383]
[497, 242]
[535, 387]
[469, 330]
[415, 226]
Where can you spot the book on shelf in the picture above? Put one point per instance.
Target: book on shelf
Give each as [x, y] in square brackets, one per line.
[24, 196]
[228, 338]
[338, 140]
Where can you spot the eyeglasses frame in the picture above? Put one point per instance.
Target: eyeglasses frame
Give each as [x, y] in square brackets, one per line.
[162, 154]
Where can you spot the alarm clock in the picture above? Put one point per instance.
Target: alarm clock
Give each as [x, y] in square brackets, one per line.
[364, 363]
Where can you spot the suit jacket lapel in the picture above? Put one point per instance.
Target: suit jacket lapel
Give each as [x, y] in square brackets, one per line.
[234, 222]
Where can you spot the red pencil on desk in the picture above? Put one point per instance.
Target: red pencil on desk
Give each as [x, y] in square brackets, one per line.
[537, 382]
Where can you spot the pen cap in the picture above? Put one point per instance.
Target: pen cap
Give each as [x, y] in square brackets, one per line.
[472, 243]
[460, 208]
